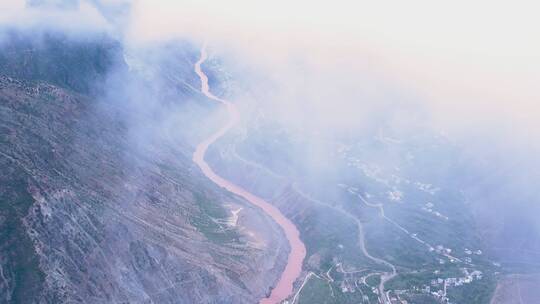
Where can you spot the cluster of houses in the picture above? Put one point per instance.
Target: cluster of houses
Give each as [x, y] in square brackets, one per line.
[438, 287]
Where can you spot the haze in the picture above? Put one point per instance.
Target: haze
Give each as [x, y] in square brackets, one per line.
[382, 149]
[469, 60]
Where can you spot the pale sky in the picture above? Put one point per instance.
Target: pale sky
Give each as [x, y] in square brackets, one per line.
[469, 60]
[485, 47]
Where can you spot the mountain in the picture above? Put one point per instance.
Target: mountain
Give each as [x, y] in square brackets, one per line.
[100, 202]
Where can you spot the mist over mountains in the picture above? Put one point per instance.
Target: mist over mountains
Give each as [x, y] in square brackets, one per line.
[406, 158]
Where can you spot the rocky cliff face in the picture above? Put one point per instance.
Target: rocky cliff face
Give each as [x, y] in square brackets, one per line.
[91, 213]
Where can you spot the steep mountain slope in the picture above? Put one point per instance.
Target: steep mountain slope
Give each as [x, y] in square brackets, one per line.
[100, 202]
[81, 64]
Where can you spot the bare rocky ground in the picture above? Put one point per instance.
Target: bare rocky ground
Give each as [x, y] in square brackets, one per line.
[90, 213]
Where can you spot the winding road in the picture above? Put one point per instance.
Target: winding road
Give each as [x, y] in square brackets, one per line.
[385, 276]
[293, 269]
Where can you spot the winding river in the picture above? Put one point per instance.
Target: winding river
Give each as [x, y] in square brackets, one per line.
[284, 286]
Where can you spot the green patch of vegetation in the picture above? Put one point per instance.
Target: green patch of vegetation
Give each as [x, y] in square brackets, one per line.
[319, 290]
[478, 292]
[316, 291]
[373, 280]
[420, 299]
[356, 295]
[327, 233]
[386, 241]
[410, 280]
[208, 221]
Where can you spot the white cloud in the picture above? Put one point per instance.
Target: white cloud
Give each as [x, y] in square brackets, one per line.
[470, 61]
[85, 18]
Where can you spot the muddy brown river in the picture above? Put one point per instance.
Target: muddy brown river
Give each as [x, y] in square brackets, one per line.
[284, 286]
